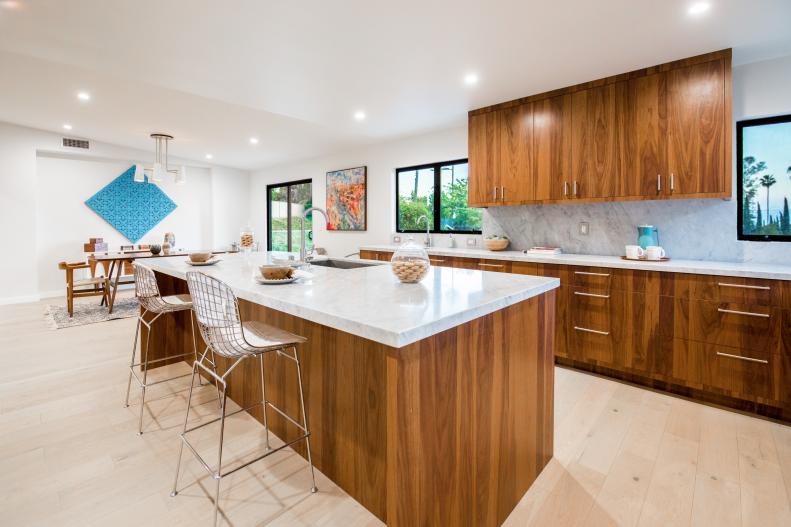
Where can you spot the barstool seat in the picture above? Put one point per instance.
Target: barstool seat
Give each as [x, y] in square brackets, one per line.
[152, 302]
[217, 312]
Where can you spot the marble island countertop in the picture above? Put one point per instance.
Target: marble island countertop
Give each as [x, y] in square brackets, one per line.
[370, 302]
[742, 269]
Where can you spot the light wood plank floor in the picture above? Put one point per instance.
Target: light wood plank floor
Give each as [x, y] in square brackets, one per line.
[69, 454]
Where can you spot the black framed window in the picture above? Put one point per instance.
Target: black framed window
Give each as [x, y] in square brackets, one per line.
[285, 203]
[763, 183]
[438, 192]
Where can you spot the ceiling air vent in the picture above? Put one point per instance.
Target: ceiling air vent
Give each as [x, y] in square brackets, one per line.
[76, 143]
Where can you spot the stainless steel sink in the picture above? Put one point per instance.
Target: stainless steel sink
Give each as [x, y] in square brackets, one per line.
[341, 264]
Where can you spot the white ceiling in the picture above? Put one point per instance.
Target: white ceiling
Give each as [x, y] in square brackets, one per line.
[292, 73]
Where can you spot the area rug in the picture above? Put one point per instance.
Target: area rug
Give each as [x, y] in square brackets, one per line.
[90, 313]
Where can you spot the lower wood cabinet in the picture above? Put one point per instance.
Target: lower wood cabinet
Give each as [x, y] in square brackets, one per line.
[719, 339]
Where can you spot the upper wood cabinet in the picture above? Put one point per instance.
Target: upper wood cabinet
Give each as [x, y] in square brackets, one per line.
[659, 133]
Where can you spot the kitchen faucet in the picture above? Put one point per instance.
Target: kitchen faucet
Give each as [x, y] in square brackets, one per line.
[302, 251]
[427, 243]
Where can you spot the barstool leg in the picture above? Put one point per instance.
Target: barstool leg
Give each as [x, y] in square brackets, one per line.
[184, 431]
[218, 476]
[263, 395]
[132, 362]
[145, 379]
[194, 344]
[305, 420]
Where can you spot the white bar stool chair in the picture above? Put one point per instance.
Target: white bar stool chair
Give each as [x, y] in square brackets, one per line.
[217, 310]
[147, 293]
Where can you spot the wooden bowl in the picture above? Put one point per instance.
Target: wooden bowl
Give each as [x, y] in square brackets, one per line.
[276, 272]
[200, 257]
[496, 244]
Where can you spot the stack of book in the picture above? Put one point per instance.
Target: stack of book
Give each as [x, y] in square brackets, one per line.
[550, 251]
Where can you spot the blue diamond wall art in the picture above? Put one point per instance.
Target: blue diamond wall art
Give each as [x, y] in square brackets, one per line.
[131, 208]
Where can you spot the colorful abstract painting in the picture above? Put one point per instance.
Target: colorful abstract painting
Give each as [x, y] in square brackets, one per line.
[131, 208]
[346, 199]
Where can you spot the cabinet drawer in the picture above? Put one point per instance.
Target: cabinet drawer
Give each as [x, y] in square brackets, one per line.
[751, 327]
[596, 278]
[462, 263]
[498, 266]
[737, 372]
[440, 261]
[754, 291]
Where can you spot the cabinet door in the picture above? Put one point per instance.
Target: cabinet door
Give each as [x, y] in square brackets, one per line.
[552, 147]
[697, 128]
[484, 158]
[596, 156]
[644, 138]
[517, 182]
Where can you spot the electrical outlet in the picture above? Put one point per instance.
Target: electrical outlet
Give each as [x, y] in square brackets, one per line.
[471, 242]
[396, 239]
[585, 228]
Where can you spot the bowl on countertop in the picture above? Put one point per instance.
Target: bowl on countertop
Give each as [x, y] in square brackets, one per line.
[276, 272]
[496, 244]
[200, 256]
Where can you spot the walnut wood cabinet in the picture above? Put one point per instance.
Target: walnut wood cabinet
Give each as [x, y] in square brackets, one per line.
[658, 133]
[719, 339]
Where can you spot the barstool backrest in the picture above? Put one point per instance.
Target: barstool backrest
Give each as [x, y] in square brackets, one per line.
[217, 312]
[146, 288]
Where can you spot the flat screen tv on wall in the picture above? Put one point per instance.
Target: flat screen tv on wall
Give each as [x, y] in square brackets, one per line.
[763, 158]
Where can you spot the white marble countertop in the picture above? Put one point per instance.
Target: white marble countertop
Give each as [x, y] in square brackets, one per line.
[370, 302]
[746, 269]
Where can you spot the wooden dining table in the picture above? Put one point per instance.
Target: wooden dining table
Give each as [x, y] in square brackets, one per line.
[117, 261]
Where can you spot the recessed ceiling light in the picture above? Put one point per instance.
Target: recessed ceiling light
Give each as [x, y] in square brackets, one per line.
[253, 140]
[67, 126]
[209, 156]
[471, 79]
[359, 115]
[84, 96]
[698, 8]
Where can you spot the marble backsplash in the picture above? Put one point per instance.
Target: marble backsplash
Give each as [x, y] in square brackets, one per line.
[701, 229]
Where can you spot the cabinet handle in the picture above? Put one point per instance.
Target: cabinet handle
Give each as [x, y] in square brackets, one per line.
[740, 357]
[746, 313]
[594, 295]
[565, 188]
[435, 260]
[658, 183]
[672, 186]
[586, 273]
[495, 193]
[575, 189]
[741, 286]
[491, 265]
[502, 193]
[586, 330]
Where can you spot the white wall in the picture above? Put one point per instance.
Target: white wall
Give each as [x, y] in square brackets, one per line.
[381, 159]
[44, 220]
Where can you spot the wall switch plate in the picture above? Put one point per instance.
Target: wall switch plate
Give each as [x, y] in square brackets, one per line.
[471, 242]
[585, 228]
[396, 239]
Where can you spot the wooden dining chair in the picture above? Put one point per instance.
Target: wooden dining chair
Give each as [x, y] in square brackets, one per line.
[93, 286]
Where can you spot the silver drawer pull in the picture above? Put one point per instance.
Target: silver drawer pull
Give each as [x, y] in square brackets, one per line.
[591, 294]
[749, 359]
[435, 260]
[747, 313]
[491, 265]
[592, 330]
[586, 273]
[740, 286]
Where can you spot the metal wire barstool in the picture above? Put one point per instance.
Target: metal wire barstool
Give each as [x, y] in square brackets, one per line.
[151, 301]
[217, 310]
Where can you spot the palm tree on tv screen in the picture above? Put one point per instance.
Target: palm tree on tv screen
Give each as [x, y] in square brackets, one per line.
[767, 181]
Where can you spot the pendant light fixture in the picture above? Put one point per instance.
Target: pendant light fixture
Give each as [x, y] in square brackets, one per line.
[156, 173]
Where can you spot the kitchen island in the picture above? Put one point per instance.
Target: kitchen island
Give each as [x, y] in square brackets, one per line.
[429, 403]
